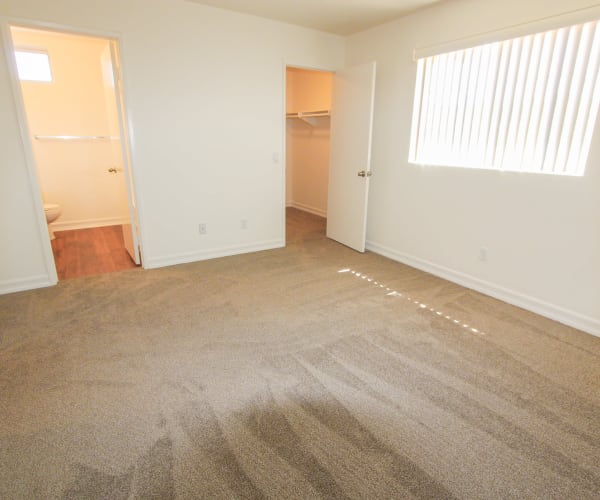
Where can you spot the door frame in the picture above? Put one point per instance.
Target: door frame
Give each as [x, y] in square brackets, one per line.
[285, 66]
[126, 128]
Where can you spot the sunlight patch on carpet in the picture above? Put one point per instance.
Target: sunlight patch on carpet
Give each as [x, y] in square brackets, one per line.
[394, 293]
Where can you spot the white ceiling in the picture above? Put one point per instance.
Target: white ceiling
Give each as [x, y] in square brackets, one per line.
[342, 17]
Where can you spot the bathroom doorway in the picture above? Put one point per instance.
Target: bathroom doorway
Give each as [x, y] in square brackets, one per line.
[72, 100]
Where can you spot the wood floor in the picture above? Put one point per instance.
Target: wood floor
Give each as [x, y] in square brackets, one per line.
[85, 252]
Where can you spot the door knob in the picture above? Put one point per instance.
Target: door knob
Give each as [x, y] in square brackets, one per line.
[362, 173]
[112, 170]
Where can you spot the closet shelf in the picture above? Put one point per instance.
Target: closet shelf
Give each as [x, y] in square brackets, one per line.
[306, 115]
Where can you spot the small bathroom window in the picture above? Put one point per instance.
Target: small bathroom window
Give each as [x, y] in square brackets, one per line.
[33, 65]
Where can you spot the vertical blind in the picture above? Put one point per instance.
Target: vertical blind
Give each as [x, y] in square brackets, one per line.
[525, 104]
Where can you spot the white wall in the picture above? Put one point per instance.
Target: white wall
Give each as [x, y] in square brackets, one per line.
[542, 232]
[22, 259]
[307, 143]
[205, 95]
[75, 174]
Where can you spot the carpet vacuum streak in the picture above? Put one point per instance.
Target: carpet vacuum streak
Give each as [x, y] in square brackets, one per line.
[310, 371]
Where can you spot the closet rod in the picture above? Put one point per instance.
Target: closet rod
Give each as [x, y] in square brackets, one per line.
[309, 114]
[75, 137]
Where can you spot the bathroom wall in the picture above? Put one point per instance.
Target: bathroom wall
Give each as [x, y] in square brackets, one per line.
[307, 145]
[79, 102]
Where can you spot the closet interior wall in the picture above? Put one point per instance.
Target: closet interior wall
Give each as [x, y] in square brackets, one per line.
[307, 140]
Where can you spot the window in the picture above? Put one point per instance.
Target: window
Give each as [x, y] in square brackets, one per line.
[33, 65]
[526, 104]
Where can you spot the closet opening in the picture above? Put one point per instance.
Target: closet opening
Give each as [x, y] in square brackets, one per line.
[308, 108]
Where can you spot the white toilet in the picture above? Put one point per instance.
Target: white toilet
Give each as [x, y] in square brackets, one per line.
[52, 211]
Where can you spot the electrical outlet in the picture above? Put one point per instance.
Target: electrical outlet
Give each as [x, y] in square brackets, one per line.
[202, 228]
[243, 224]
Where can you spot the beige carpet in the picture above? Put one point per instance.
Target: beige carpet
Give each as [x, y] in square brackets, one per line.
[277, 375]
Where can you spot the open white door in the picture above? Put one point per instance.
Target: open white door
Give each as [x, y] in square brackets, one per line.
[130, 231]
[350, 155]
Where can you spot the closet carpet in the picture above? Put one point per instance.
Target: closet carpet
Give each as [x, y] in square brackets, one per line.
[310, 371]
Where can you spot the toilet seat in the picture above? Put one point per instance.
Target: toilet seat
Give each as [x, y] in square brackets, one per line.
[52, 212]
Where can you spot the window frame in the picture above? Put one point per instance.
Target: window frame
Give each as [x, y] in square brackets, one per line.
[34, 50]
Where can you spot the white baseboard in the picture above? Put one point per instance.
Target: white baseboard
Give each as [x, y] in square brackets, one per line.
[307, 208]
[184, 258]
[551, 311]
[88, 223]
[20, 285]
